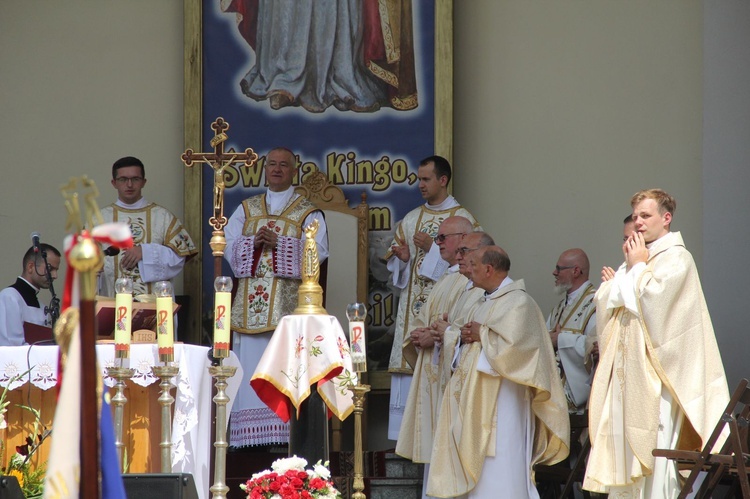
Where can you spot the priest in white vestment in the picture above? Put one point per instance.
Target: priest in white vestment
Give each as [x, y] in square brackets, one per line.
[504, 409]
[415, 263]
[265, 238]
[161, 245]
[572, 325]
[19, 302]
[660, 382]
[425, 347]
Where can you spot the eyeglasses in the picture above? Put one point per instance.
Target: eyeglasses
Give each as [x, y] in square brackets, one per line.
[463, 250]
[442, 237]
[129, 180]
[566, 267]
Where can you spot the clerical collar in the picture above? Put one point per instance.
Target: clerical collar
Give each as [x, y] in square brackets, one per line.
[141, 203]
[447, 203]
[452, 269]
[505, 282]
[277, 200]
[655, 244]
[27, 291]
[573, 295]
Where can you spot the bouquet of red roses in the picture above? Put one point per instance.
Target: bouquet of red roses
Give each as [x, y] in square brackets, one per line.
[288, 479]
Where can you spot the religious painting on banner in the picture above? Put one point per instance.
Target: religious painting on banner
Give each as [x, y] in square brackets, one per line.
[350, 87]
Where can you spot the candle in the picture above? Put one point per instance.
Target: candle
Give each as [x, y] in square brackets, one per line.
[123, 316]
[222, 309]
[357, 312]
[164, 321]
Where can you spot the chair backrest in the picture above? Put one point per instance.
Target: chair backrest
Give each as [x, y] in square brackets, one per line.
[347, 243]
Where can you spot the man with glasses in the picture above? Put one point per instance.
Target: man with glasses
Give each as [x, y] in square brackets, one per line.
[19, 302]
[660, 383]
[571, 323]
[415, 263]
[161, 243]
[424, 349]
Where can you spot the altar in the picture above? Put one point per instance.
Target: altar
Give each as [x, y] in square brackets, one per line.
[191, 422]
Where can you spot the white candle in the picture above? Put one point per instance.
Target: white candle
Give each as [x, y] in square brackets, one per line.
[123, 316]
[357, 312]
[164, 321]
[222, 309]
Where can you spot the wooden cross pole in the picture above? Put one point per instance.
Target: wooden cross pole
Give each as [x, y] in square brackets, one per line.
[219, 160]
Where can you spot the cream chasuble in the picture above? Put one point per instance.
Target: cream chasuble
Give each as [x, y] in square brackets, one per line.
[150, 224]
[432, 370]
[414, 295]
[659, 366]
[515, 347]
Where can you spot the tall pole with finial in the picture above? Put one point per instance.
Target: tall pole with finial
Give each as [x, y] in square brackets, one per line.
[219, 160]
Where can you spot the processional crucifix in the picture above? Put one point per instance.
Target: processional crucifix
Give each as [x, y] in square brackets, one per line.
[219, 160]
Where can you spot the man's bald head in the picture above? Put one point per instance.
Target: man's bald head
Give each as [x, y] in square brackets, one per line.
[571, 270]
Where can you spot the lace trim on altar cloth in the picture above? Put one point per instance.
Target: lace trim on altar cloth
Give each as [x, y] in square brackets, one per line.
[257, 427]
[242, 257]
[288, 257]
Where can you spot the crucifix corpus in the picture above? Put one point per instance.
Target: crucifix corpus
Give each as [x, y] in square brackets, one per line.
[219, 160]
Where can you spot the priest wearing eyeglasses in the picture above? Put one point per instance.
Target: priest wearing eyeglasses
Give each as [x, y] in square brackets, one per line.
[161, 243]
[415, 264]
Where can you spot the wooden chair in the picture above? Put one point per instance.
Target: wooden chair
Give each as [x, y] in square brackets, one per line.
[733, 457]
[567, 473]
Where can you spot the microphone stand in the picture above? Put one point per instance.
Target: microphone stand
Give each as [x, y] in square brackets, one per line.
[54, 305]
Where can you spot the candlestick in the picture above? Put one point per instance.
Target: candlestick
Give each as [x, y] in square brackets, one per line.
[222, 309]
[220, 374]
[123, 316]
[357, 312]
[166, 373]
[164, 321]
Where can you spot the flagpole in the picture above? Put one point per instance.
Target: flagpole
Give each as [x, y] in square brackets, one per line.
[86, 258]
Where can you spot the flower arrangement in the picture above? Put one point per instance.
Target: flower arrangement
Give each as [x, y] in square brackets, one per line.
[288, 479]
[30, 479]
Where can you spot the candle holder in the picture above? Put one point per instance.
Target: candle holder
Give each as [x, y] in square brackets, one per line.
[220, 374]
[121, 375]
[359, 391]
[166, 373]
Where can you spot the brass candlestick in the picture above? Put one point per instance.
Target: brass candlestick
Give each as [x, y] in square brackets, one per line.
[220, 373]
[359, 392]
[166, 373]
[121, 375]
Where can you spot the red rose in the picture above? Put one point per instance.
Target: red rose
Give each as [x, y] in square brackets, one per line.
[297, 483]
[317, 483]
[274, 486]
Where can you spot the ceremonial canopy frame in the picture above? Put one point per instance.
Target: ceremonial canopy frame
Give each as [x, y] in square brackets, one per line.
[194, 127]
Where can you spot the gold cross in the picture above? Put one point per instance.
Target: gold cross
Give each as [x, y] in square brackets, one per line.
[219, 160]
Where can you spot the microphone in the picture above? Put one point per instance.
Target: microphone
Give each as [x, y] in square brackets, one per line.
[111, 251]
[35, 241]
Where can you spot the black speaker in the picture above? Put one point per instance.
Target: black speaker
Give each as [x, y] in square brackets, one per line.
[160, 486]
[9, 488]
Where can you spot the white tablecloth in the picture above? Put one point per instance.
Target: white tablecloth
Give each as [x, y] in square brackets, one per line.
[306, 350]
[191, 426]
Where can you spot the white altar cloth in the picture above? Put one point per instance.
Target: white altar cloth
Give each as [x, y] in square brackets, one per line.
[191, 425]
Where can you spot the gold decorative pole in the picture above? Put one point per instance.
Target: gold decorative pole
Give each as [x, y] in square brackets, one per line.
[121, 375]
[166, 373]
[359, 391]
[219, 160]
[357, 313]
[221, 373]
